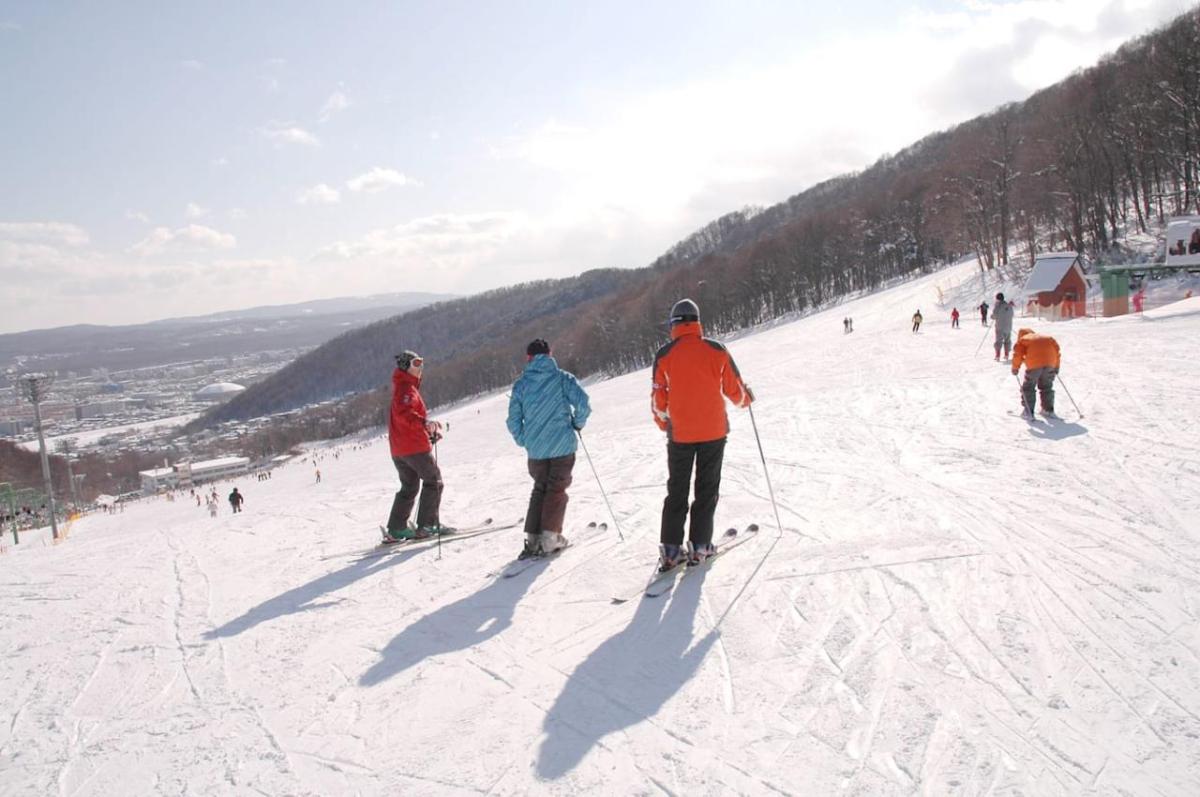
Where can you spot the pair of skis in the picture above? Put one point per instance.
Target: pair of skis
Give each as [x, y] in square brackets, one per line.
[519, 566]
[663, 581]
[384, 548]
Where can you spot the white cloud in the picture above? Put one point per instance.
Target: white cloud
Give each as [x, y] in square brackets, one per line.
[320, 194]
[269, 83]
[193, 236]
[195, 211]
[10, 26]
[237, 214]
[285, 133]
[192, 65]
[379, 179]
[678, 156]
[50, 233]
[137, 215]
[336, 103]
[220, 161]
[443, 238]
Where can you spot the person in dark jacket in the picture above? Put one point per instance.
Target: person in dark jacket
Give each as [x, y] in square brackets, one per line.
[411, 436]
[235, 500]
[546, 409]
[692, 378]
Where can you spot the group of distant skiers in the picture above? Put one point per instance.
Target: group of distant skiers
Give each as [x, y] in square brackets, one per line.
[547, 411]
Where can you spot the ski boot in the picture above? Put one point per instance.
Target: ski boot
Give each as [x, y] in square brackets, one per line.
[697, 554]
[553, 541]
[409, 532]
[533, 547]
[670, 557]
[436, 530]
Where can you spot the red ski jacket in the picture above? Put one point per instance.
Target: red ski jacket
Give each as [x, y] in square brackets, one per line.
[406, 423]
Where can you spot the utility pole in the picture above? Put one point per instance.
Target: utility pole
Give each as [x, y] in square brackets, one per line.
[37, 386]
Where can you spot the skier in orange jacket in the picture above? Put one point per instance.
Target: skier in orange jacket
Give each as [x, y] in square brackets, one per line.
[692, 377]
[1042, 358]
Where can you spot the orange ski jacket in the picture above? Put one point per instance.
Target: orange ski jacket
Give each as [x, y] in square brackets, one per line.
[1036, 351]
[690, 376]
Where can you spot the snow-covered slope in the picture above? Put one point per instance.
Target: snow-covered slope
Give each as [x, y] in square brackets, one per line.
[958, 602]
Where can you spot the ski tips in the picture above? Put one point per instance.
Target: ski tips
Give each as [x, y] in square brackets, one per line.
[592, 525]
[618, 601]
[752, 527]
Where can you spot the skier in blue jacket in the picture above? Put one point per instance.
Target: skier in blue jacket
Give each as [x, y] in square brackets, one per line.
[548, 406]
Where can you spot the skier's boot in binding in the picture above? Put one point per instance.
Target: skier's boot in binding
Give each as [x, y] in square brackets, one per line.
[552, 541]
[436, 530]
[670, 557]
[698, 553]
[409, 532]
[533, 547]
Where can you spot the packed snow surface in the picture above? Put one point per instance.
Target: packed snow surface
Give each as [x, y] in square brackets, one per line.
[958, 602]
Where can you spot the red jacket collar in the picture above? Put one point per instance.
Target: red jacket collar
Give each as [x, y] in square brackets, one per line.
[687, 328]
[400, 377]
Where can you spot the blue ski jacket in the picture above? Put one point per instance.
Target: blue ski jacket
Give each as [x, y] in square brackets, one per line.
[547, 406]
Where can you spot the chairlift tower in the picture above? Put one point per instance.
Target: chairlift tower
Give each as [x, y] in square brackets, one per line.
[37, 386]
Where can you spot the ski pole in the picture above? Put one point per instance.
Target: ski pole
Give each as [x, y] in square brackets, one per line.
[986, 328]
[1064, 384]
[600, 484]
[766, 471]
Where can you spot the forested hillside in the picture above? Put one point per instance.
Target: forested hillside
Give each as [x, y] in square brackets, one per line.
[1112, 148]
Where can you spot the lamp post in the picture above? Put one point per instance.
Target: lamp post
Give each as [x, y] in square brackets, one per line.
[36, 388]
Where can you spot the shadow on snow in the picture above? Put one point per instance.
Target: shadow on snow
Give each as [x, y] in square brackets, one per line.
[456, 626]
[627, 679]
[306, 597]
[1057, 431]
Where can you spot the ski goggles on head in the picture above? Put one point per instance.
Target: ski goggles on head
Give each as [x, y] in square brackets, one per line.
[416, 362]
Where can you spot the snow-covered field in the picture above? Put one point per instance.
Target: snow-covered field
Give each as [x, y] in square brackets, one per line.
[958, 602]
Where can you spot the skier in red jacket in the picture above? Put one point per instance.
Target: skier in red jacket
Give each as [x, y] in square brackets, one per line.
[411, 436]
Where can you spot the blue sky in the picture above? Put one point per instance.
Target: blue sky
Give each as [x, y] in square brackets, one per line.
[162, 159]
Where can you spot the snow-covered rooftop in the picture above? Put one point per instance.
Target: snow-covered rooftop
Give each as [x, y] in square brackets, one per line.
[1048, 271]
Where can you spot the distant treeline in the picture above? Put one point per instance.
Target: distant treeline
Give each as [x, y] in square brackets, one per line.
[1114, 145]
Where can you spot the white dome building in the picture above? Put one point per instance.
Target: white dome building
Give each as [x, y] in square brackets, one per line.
[221, 391]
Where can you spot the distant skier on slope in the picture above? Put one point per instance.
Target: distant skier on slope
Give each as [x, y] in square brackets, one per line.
[235, 500]
[411, 436]
[917, 319]
[1002, 320]
[690, 375]
[954, 318]
[983, 308]
[546, 409]
[1042, 358]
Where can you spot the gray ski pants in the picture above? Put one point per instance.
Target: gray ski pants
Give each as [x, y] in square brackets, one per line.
[1039, 380]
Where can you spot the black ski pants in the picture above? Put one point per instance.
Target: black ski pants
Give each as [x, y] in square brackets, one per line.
[418, 472]
[548, 501]
[707, 458]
